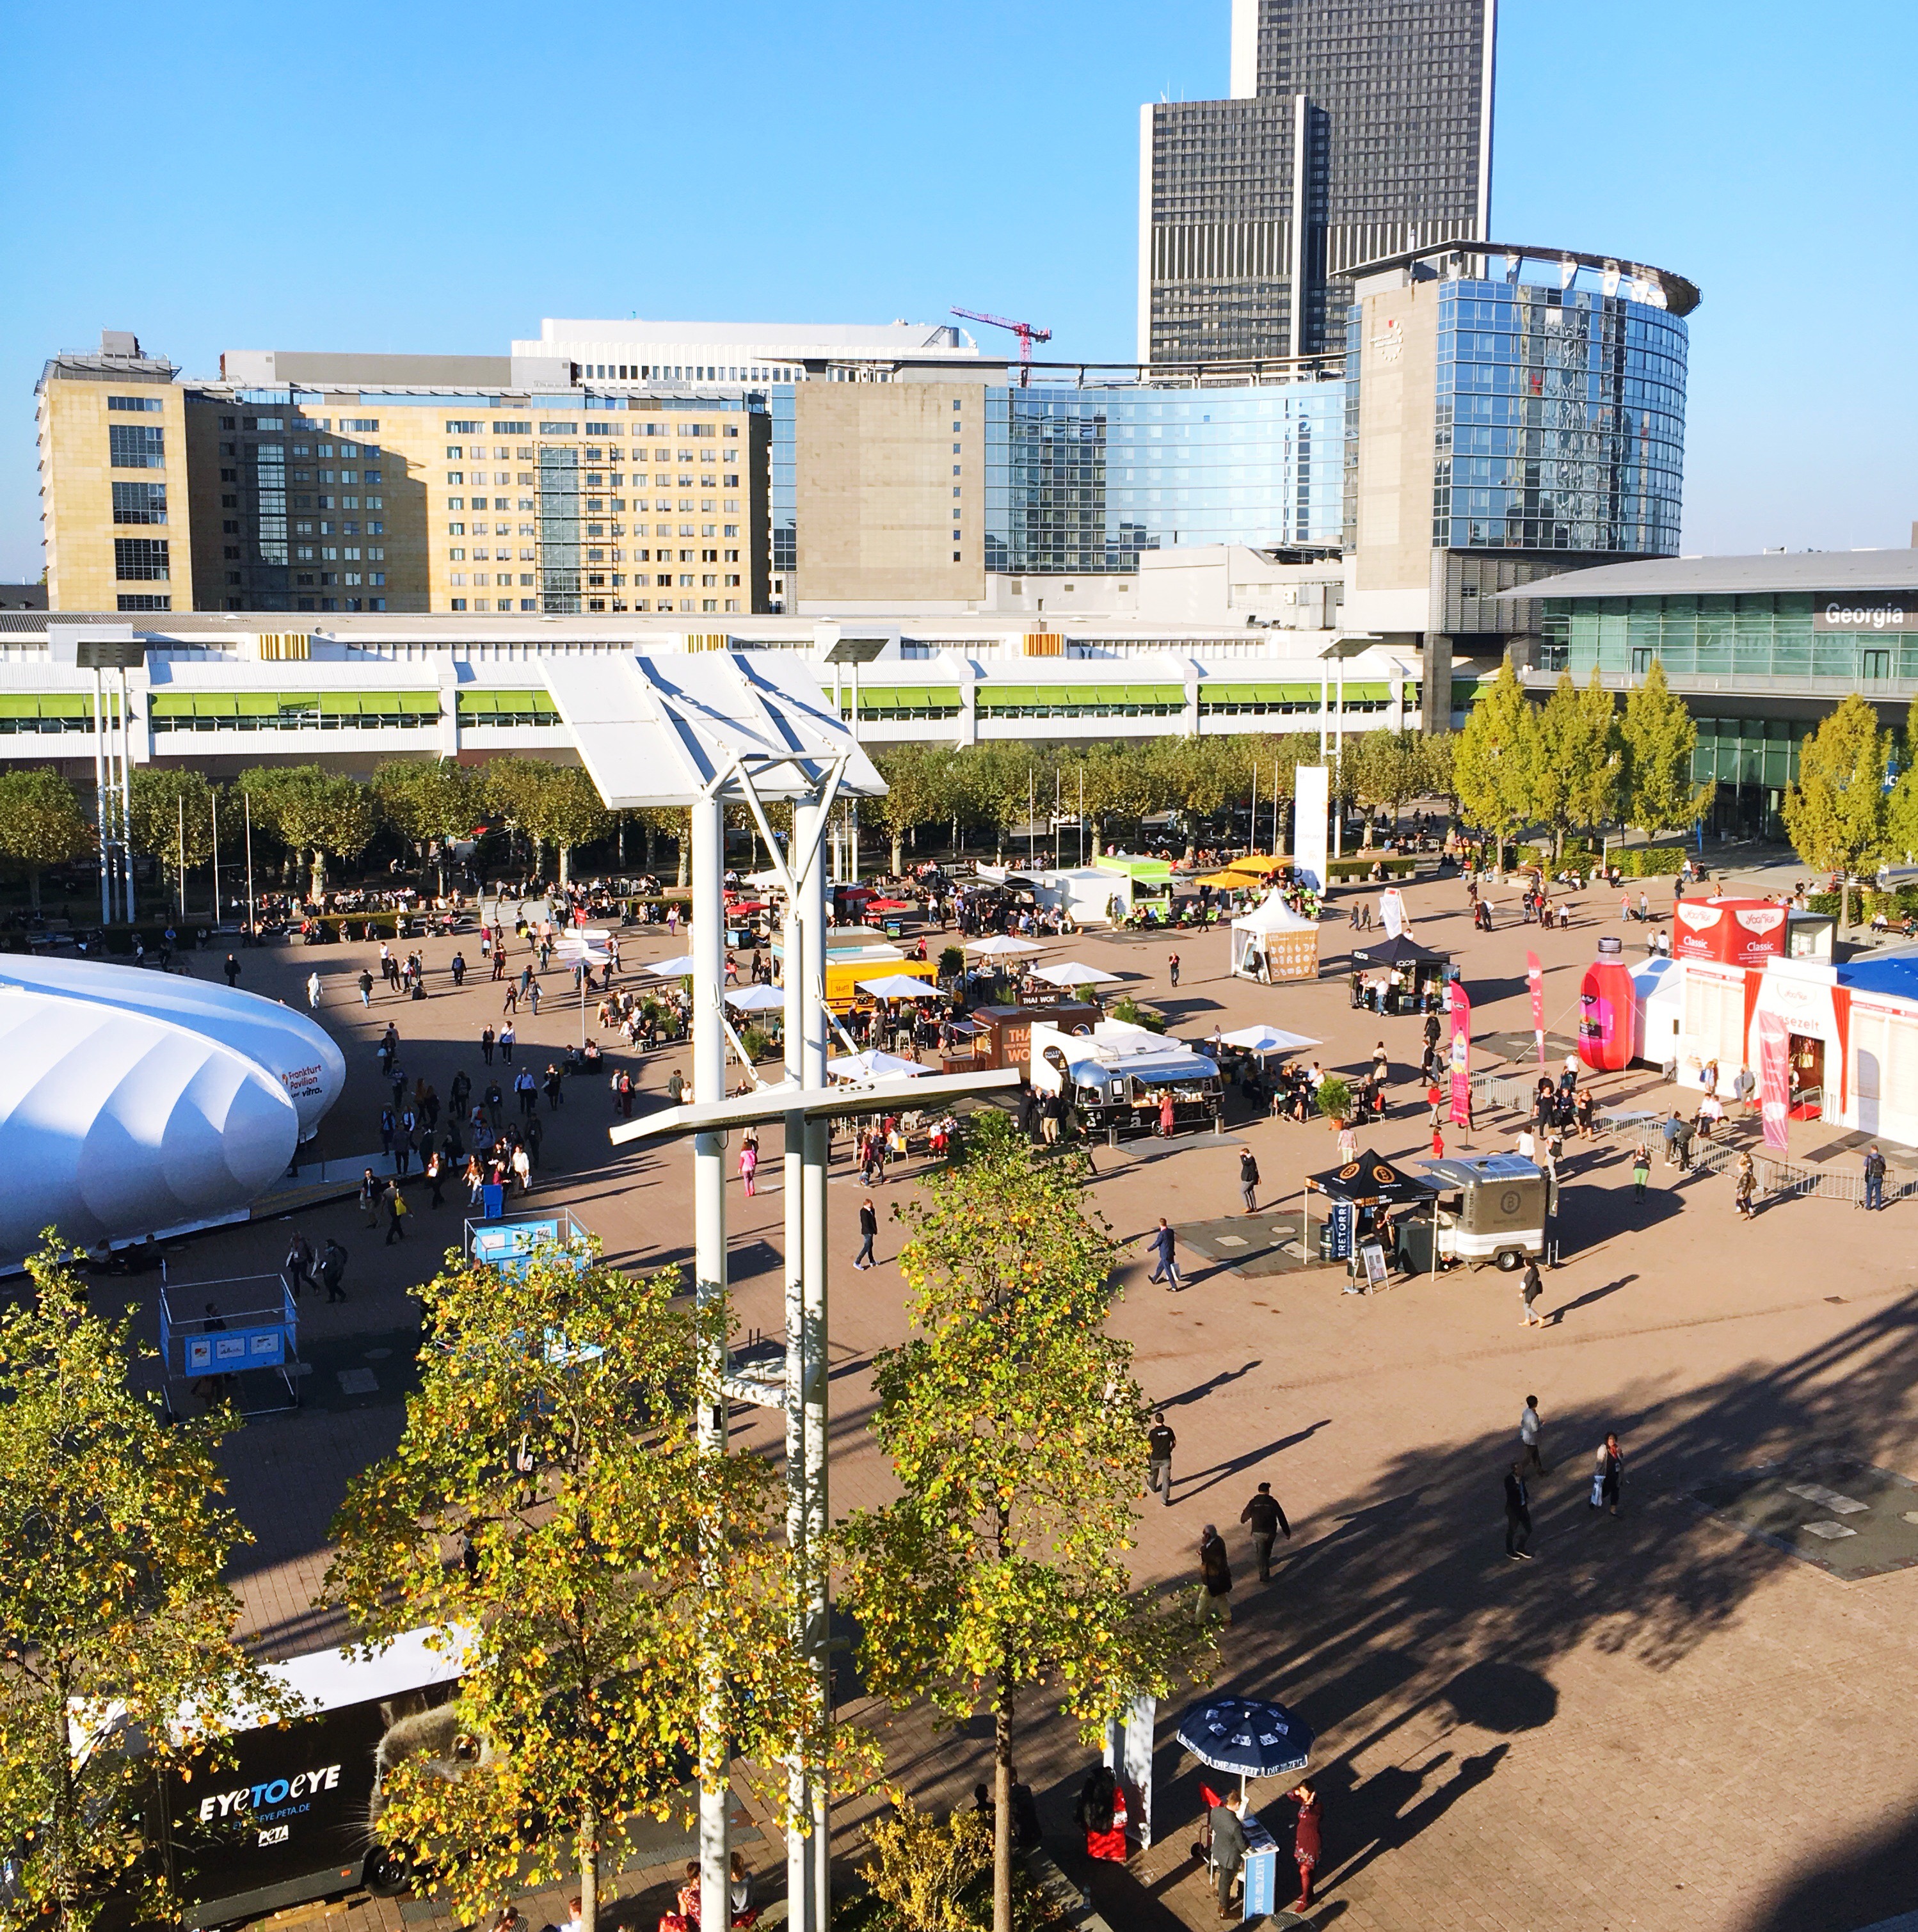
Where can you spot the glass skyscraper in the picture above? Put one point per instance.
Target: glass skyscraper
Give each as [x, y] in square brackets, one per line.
[1357, 129]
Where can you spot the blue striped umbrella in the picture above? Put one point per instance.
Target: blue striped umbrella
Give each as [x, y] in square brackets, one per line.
[1249, 1735]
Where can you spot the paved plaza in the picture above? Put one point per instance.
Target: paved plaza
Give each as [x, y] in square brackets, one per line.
[1695, 1715]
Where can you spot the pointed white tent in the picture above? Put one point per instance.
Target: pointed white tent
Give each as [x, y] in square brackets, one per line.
[1272, 942]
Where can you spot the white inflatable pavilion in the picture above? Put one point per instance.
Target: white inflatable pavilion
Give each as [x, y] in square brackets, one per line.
[135, 1103]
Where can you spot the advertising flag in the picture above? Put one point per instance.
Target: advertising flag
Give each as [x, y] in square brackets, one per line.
[1461, 1054]
[1774, 1079]
[1535, 978]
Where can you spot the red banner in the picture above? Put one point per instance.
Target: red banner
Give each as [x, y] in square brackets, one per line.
[1774, 1079]
[1461, 1054]
[1535, 978]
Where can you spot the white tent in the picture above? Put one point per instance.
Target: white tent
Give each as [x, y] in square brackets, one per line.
[1074, 973]
[1000, 947]
[899, 986]
[681, 966]
[756, 999]
[1267, 1040]
[297, 1051]
[1272, 942]
[873, 1065]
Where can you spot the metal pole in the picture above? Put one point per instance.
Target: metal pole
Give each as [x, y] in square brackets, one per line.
[100, 797]
[709, 1084]
[819, 1609]
[181, 854]
[1338, 756]
[1082, 817]
[252, 930]
[127, 789]
[213, 804]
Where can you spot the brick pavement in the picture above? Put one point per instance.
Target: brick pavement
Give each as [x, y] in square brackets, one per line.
[1658, 1723]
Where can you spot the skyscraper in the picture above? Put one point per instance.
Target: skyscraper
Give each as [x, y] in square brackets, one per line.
[1356, 129]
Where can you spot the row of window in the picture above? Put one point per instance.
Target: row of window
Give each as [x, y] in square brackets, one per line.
[138, 558]
[663, 605]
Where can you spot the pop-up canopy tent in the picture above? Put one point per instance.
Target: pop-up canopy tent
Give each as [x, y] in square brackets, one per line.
[1272, 942]
[1398, 975]
[1370, 1181]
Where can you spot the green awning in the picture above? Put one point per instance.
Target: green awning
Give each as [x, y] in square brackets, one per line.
[215, 704]
[1301, 694]
[483, 702]
[170, 704]
[468, 702]
[1155, 693]
[47, 704]
[419, 703]
[878, 697]
[339, 704]
[998, 695]
[261, 704]
[1367, 694]
[1249, 694]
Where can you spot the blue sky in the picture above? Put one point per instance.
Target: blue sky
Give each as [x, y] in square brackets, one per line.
[434, 178]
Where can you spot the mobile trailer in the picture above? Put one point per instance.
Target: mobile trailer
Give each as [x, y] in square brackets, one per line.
[1491, 1209]
[1116, 1076]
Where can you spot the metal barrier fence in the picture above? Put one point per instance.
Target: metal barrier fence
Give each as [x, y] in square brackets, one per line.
[1497, 1091]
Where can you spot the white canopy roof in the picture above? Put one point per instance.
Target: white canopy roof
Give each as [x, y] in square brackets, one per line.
[873, 1065]
[756, 999]
[1274, 916]
[681, 966]
[669, 731]
[899, 986]
[1074, 973]
[1267, 1040]
[1000, 946]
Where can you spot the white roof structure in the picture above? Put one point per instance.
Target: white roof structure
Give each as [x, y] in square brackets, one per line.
[1267, 1040]
[899, 986]
[745, 344]
[1074, 973]
[756, 999]
[115, 1124]
[297, 1051]
[873, 1065]
[1273, 915]
[670, 731]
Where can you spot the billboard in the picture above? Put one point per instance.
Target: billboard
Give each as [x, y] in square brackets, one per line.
[1311, 800]
[1734, 932]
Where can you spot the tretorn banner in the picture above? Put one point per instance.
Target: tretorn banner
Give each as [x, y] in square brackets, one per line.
[1461, 1054]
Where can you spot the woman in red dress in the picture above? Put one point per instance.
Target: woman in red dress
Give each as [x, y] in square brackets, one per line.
[1305, 1840]
[1101, 1816]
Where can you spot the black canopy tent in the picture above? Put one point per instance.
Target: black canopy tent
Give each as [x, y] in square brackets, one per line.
[1370, 1183]
[1398, 975]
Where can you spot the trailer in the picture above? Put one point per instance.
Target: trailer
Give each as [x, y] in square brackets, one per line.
[1490, 1209]
[1117, 1076]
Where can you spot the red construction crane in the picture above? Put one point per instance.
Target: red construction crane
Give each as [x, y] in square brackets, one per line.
[1027, 332]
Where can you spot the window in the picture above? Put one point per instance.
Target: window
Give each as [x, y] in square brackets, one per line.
[464, 428]
[144, 406]
[133, 446]
[139, 502]
[138, 557]
[360, 425]
[513, 429]
[454, 452]
[128, 602]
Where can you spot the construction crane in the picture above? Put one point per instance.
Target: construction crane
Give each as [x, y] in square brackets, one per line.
[1027, 332]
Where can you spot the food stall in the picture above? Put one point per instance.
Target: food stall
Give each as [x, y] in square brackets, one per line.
[1358, 1195]
[1002, 1035]
[1399, 976]
[856, 953]
[1272, 942]
[1117, 1076]
[1490, 1209]
[1083, 895]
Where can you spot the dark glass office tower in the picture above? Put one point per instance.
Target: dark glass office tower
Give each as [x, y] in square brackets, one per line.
[1357, 129]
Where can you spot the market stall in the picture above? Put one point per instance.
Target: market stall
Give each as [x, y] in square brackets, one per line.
[1272, 942]
[1357, 1198]
[1399, 976]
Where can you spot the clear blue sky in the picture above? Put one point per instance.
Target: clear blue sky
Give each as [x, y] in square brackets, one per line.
[426, 177]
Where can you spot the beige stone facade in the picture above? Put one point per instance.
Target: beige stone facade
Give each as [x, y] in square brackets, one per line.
[115, 507]
[891, 483]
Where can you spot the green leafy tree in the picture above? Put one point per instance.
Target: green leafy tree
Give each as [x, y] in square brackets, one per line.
[1015, 1431]
[1439, 751]
[1575, 774]
[1388, 768]
[553, 1437]
[1901, 808]
[41, 824]
[917, 792]
[1195, 776]
[571, 813]
[1835, 815]
[511, 788]
[172, 815]
[325, 814]
[113, 1541]
[1493, 760]
[1119, 783]
[1658, 737]
[427, 802]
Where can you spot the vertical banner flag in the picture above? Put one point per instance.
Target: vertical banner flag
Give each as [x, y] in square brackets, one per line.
[1535, 978]
[1774, 1079]
[1461, 1054]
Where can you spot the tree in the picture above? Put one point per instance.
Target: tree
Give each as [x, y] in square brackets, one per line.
[552, 1444]
[1440, 780]
[1835, 814]
[41, 823]
[113, 1540]
[313, 810]
[1575, 776]
[1388, 768]
[427, 802]
[570, 812]
[916, 791]
[1901, 808]
[1015, 1429]
[171, 815]
[1119, 783]
[1493, 759]
[511, 788]
[1658, 737]
[1193, 775]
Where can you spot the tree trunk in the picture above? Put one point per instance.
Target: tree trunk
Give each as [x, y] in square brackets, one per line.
[318, 877]
[1002, 1806]
[899, 853]
[566, 866]
[589, 1867]
[685, 849]
[33, 889]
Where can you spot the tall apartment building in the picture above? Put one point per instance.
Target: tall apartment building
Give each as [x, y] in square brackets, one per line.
[1356, 130]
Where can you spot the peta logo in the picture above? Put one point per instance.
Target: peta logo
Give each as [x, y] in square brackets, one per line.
[264, 1797]
[277, 1835]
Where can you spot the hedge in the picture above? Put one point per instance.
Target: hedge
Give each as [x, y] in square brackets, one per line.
[1392, 865]
[1649, 861]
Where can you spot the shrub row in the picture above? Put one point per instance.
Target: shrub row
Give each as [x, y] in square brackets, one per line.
[1393, 866]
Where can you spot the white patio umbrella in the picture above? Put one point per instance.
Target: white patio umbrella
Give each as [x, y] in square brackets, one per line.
[575, 952]
[756, 999]
[899, 986]
[873, 1065]
[1267, 1040]
[1074, 973]
[999, 946]
[680, 967]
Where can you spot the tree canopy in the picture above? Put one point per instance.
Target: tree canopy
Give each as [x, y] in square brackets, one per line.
[1658, 736]
[313, 810]
[41, 822]
[1835, 815]
[1493, 757]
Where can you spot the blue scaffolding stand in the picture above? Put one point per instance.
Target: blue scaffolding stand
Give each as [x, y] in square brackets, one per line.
[247, 1326]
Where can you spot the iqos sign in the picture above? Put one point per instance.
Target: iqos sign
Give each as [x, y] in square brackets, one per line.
[1880, 614]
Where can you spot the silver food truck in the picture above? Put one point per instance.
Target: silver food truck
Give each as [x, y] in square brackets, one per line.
[1117, 1075]
[1491, 1209]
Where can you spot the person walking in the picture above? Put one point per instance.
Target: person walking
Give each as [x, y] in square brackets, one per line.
[1248, 1180]
[1530, 1437]
[1641, 1172]
[1518, 1516]
[1172, 968]
[486, 1043]
[369, 1198]
[435, 1171]
[365, 988]
[555, 1085]
[397, 1211]
[313, 991]
[231, 969]
[1165, 1115]
[1875, 1179]
[1607, 1474]
[1745, 1184]
[1530, 1288]
[508, 1039]
[333, 1270]
[1159, 1444]
[1213, 1603]
[457, 966]
[495, 1101]
[869, 1232]
[748, 1165]
[1225, 1822]
[1266, 1520]
[1166, 1269]
[1305, 1840]
[296, 1270]
[1435, 1099]
[526, 1089]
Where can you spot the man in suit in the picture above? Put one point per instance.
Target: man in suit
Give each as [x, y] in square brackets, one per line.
[1227, 1830]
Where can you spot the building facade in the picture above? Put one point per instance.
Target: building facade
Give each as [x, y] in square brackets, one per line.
[1356, 130]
